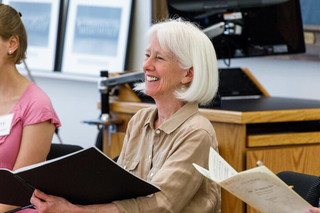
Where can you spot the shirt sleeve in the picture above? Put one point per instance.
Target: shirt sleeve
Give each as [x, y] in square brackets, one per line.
[178, 179]
[39, 109]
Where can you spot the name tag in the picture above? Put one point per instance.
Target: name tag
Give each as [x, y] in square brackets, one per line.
[5, 124]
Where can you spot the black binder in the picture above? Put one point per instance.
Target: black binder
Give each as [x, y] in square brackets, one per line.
[84, 177]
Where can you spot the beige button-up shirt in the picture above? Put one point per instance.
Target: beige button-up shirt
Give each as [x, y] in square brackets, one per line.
[164, 157]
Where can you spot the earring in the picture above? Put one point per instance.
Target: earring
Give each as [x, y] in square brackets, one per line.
[10, 52]
[183, 88]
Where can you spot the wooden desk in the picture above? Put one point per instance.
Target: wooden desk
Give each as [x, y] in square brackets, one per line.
[283, 134]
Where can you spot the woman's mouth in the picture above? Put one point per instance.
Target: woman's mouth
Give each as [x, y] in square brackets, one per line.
[149, 78]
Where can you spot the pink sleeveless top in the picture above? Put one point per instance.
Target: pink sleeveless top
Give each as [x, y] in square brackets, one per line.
[33, 107]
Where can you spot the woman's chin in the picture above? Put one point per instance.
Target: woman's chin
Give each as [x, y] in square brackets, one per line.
[148, 93]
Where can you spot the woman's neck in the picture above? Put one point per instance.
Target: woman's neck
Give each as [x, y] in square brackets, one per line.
[12, 83]
[166, 110]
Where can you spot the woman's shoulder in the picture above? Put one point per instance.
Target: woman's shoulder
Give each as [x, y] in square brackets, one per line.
[200, 122]
[201, 127]
[34, 92]
[35, 106]
[34, 99]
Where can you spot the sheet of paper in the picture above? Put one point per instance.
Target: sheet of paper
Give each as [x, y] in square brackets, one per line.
[258, 187]
[202, 170]
[219, 168]
[264, 191]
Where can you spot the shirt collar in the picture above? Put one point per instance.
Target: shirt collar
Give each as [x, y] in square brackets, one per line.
[151, 117]
[175, 120]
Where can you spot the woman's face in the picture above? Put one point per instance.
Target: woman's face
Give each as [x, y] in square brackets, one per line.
[163, 75]
[3, 52]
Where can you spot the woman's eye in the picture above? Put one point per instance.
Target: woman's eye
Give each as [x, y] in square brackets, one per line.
[147, 55]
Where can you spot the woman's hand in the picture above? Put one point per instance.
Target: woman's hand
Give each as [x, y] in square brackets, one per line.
[313, 210]
[49, 204]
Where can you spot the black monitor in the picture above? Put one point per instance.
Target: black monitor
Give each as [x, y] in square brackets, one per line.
[246, 28]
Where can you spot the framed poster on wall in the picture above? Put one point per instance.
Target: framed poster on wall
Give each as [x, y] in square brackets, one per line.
[40, 18]
[96, 36]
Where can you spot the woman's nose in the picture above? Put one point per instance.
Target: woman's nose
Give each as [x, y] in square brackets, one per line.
[148, 64]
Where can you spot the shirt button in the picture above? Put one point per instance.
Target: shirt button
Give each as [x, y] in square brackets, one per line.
[151, 175]
[157, 131]
[150, 157]
[125, 167]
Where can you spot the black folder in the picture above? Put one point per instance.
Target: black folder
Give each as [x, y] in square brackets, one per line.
[84, 177]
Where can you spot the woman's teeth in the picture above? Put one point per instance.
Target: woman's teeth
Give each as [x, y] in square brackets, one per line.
[152, 78]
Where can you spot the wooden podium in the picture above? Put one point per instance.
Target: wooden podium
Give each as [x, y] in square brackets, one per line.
[280, 133]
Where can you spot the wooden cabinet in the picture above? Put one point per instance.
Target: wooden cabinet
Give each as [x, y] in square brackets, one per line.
[302, 158]
[282, 139]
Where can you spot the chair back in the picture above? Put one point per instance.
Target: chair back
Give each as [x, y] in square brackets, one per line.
[58, 150]
[307, 186]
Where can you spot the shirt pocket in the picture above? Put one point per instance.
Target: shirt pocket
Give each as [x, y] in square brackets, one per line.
[130, 165]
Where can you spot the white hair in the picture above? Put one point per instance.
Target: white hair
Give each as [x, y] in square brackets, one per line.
[192, 49]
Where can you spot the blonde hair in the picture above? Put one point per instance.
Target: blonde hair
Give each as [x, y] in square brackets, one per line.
[192, 49]
[11, 25]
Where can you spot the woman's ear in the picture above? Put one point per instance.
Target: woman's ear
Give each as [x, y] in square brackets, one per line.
[188, 76]
[13, 43]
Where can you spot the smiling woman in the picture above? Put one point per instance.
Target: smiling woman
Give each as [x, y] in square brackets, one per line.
[163, 73]
[163, 141]
[190, 49]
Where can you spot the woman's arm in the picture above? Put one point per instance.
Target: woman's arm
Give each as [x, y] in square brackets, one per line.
[35, 146]
[48, 203]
